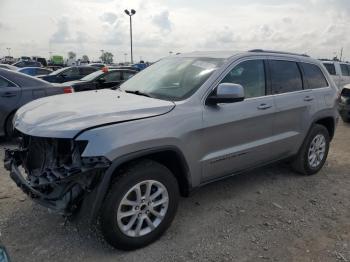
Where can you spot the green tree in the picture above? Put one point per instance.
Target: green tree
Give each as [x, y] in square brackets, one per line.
[85, 58]
[71, 55]
[107, 57]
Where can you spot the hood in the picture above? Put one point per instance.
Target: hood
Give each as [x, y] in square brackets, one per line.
[64, 116]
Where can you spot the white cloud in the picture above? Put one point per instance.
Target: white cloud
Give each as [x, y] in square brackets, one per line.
[317, 27]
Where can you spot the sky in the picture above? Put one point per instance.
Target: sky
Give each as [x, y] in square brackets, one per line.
[319, 28]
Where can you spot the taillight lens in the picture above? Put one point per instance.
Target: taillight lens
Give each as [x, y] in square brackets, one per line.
[68, 90]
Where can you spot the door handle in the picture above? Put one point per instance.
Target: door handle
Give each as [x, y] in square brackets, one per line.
[264, 106]
[8, 94]
[308, 98]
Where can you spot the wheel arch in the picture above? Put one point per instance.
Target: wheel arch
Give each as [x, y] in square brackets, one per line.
[329, 123]
[13, 112]
[169, 156]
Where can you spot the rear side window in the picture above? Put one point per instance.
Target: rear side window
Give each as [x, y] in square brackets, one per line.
[330, 68]
[285, 77]
[71, 72]
[344, 70]
[87, 70]
[113, 77]
[314, 76]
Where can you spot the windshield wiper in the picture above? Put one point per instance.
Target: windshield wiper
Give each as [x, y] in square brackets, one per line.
[137, 92]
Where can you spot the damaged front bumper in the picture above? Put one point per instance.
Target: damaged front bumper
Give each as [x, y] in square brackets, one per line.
[59, 186]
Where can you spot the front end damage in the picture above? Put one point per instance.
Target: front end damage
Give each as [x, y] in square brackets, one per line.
[52, 172]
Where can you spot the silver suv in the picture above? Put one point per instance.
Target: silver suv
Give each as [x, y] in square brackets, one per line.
[127, 155]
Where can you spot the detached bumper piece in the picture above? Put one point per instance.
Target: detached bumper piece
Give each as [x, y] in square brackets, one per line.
[60, 188]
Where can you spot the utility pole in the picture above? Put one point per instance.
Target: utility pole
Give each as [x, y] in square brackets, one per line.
[8, 50]
[130, 14]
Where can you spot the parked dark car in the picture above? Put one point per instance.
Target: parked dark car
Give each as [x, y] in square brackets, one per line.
[17, 89]
[25, 63]
[102, 79]
[344, 104]
[34, 71]
[69, 74]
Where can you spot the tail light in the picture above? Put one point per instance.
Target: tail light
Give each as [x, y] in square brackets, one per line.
[68, 90]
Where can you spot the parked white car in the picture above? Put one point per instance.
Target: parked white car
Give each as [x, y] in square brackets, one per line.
[339, 71]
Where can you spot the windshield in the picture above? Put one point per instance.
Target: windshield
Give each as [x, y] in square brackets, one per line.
[173, 79]
[92, 76]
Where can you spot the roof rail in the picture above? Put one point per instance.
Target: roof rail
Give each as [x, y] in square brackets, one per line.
[276, 52]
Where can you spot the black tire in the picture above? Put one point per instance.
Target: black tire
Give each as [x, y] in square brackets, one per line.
[9, 126]
[301, 162]
[345, 119]
[134, 174]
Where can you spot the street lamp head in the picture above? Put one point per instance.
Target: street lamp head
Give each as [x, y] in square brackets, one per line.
[133, 11]
[127, 11]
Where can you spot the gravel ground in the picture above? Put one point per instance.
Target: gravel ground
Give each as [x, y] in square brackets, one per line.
[269, 214]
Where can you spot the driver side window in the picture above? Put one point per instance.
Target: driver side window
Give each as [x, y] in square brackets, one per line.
[251, 75]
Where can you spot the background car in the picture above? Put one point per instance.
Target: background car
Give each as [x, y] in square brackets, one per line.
[344, 104]
[42, 60]
[339, 71]
[102, 79]
[25, 63]
[17, 89]
[69, 74]
[34, 71]
[9, 67]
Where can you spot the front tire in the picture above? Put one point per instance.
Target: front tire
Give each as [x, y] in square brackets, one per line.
[140, 206]
[9, 126]
[314, 151]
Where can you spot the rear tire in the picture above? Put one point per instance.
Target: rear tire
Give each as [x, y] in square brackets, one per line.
[314, 151]
[131, 216]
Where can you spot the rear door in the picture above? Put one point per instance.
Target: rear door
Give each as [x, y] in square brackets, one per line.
[237, 136]
[294, 106]
[10, 95]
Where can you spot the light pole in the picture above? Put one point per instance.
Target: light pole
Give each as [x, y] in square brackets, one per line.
[8, 50]
[130, 14]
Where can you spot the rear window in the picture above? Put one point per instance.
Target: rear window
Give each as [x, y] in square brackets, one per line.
[314, 76]
[330, 68]
[285, 77]
[344, 70]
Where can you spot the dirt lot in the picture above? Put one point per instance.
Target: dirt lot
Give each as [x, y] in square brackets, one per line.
[270, 214]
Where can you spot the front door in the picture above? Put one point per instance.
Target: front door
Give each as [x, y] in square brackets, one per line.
[237, 135]
[10, 95]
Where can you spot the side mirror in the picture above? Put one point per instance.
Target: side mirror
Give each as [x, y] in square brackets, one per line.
[226, 93]
[101, 80]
